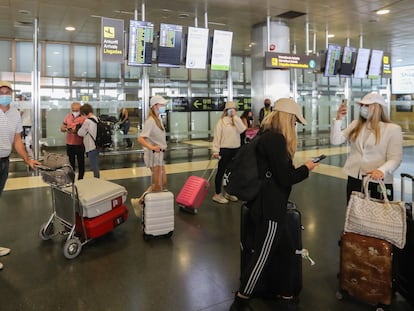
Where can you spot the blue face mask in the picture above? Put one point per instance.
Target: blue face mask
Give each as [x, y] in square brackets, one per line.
[364, 112]
[5, 100]
[161, 109]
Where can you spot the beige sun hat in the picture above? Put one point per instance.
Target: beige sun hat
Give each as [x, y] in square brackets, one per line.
[372, 98]
[157, 99]
[290, 106]
[6, 84]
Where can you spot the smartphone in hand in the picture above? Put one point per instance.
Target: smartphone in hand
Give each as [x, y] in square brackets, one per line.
[317, 159]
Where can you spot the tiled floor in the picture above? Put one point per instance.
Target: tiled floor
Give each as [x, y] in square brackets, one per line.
[196, 269]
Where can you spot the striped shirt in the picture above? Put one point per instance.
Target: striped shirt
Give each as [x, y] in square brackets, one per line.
[10, 125]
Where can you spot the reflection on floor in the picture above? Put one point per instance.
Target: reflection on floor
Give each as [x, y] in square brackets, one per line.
[196, 269]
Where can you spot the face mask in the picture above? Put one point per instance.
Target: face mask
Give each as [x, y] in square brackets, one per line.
[230, 112]
[5, 100]
[161, 109]
[76, 114]
[364, 112]
[267, 105]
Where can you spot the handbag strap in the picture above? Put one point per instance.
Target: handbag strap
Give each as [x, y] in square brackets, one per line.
[365, 182]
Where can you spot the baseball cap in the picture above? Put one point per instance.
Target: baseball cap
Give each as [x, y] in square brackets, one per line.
[6, 84]
[290, 106]
[157, 99]
[230, 105]
[372, 98]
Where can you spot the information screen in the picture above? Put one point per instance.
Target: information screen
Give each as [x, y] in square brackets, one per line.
[197, 45]
[169, 47]
[220, 57]
[141, 36]
[375, 64]
[332, 60]
[348, 61]
[362, 63]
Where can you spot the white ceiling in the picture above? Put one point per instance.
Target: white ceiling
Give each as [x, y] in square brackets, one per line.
[394, 33]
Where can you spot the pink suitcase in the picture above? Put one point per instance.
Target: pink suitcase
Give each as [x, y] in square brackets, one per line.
[193, 192]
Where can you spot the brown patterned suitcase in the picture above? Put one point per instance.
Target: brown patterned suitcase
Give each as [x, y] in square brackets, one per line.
[366, 268]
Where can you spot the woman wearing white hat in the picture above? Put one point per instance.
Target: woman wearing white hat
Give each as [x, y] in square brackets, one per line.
[376, 145]
[153, 139]
[226, 143]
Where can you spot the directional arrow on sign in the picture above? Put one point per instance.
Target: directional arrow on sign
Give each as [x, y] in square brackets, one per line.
[197, 104]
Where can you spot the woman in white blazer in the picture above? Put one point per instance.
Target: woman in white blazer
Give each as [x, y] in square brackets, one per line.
[376, 145]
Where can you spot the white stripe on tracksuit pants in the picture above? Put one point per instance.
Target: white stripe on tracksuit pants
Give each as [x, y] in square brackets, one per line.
[262, 259]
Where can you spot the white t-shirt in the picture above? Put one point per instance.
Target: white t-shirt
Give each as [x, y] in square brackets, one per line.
[10, 125]
[153, 134]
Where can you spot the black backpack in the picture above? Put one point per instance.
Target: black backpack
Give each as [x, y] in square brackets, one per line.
[103, 137]
[242, 177]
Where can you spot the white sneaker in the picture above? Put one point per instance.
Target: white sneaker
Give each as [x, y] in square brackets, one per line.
[4, 251]
[220, 199]
[137, 206]
[1, 266]
[230, 197]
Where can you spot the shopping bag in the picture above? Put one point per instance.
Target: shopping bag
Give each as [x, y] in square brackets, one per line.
[381, 219]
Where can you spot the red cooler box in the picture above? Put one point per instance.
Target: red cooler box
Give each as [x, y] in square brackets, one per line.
[100, 225]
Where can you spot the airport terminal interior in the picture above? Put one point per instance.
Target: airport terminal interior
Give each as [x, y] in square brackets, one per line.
[195, 269]
[198, 267]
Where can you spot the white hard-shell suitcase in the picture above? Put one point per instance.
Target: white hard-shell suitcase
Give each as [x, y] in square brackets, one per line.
[158, 213]
[98, 196]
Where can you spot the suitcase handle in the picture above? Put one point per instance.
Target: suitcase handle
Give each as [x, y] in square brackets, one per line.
[403, 176]
[207, 169]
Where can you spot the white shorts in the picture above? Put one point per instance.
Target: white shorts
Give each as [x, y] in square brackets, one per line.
[152, 159]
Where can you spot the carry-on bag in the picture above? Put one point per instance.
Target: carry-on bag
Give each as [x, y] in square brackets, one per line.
[365, 269]
[404, 258]
[98, 196]
[382, 219]
[194, 191]
[158, 212]
[284, 275]
[100, 225]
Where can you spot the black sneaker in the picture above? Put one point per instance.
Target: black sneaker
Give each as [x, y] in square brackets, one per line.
[240, 304]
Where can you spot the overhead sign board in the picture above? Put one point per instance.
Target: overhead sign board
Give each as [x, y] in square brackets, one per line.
[112, 40]
[285, 61]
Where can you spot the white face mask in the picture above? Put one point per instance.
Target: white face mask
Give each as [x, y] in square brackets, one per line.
[76, 114]
[364, 112]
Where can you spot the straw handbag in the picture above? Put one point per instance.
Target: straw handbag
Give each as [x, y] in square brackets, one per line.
[376, 218]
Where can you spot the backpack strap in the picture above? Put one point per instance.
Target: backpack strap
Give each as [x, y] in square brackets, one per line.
[96, 122]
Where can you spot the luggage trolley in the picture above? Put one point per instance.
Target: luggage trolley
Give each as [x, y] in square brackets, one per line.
[65, 206]
[78, 213]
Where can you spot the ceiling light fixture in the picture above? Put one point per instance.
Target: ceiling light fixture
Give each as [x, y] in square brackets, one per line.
[331, 35]
[70, 28]
[383, 11]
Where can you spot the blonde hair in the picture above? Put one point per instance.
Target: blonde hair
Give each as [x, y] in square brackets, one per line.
[378, 115]
[156, 119]
[283, 123]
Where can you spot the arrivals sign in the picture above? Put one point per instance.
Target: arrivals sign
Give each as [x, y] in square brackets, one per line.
[285, 61]
[112, 40]
[386, 66]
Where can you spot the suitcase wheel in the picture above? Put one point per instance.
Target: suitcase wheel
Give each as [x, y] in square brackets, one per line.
[339, 295]
[72, 248]
[47, 230]
[193, 211]
[150, 236]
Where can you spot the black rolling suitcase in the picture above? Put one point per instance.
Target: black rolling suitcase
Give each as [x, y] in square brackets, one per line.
[404, 258]
[284, 276]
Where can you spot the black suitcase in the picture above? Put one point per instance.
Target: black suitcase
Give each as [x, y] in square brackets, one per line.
[284, 275]
[404, 258]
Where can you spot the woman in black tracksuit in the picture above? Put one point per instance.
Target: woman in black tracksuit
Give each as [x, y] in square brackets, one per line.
[276, 150]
